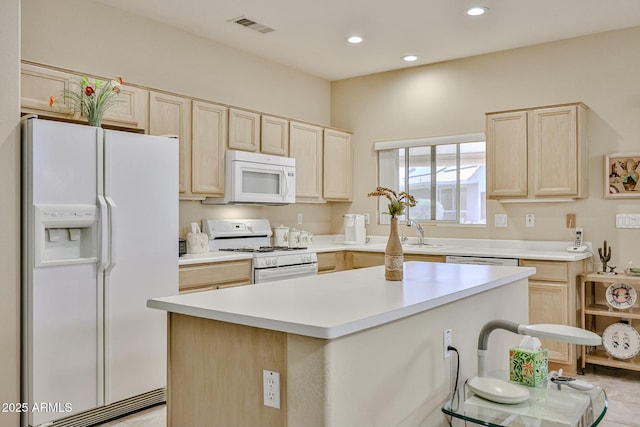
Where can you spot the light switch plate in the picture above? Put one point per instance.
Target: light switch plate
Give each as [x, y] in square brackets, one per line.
[500, 220]
[627, 220]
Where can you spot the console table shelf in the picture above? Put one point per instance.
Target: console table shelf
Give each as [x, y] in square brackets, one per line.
[596, 315]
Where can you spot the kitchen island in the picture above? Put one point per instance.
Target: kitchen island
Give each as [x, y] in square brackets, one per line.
[351, 349]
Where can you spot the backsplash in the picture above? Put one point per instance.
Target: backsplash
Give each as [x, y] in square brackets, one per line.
[316, 218]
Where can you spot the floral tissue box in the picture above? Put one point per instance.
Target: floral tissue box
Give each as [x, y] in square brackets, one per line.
[528, 367]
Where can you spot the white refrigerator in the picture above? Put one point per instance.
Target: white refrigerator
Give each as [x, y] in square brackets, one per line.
[100, 227]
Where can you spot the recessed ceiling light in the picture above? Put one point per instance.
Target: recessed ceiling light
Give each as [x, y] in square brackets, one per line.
[477, 11]
[410, 58]
[355, 39]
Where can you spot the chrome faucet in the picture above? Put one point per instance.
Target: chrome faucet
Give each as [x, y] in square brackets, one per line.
[419, 230]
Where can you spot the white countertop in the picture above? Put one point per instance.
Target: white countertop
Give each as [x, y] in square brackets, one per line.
[520, 249]
[338, 304]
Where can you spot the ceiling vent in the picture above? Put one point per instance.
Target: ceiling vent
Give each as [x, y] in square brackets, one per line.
[253, 25]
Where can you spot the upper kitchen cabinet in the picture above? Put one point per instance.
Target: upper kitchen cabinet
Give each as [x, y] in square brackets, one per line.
[208, 145]
[507, 154]
[305, 145]
[131, 111]
[538, 153]
[244, 130]
[274, 136]
[171, 115]
[338, 166]
[39, 83]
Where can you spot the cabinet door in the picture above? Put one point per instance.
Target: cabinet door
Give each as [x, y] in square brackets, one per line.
[274, 136]
[199, 277]
[424, 257]
[305, 145]
[355, 260]
[507, 154]
[554, 151]
[171, 115]
[132, 109]
[329, 262]
[37, 84]
[208, 148]
[337, 166]
[549, 303]
[244, 130]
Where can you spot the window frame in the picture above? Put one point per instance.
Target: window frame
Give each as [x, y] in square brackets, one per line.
[432, 144]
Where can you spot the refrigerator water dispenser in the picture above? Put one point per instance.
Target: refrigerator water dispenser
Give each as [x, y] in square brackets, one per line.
[65, 234]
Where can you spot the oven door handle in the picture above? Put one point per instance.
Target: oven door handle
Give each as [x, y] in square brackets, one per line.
[287, 272]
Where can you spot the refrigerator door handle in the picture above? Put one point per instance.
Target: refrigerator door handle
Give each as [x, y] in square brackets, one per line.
[104, 230]
[113, 214]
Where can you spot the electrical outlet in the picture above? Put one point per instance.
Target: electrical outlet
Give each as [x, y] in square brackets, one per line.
[366, 219]
[271, 386]
[447, 339]
[530, 220]
[300, 219]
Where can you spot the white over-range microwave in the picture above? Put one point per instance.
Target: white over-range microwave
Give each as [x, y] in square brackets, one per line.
[255, 178]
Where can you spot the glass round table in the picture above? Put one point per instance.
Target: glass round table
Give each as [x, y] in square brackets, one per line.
[547, 406]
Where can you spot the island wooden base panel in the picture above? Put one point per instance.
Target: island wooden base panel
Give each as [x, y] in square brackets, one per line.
[207, 356]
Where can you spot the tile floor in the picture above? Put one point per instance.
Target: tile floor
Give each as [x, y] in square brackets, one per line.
[622, 387]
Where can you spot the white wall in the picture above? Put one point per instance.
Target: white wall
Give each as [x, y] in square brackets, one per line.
[93, 38]
[395, 374]
[452, 97]
[9, 208]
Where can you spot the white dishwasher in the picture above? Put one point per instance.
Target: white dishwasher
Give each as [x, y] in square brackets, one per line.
[481, 260]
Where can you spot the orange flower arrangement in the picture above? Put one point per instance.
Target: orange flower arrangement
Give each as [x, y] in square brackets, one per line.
[93, 99]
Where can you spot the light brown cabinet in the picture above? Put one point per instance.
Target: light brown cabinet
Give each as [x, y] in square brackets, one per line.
[171, 115]
[356, 259]
[537, 152]
[274, 135]
[244, 130]
[208, 147]
[305, 145]
[39, 83]
[132, 110]
[552, 299]
[337, 166]
[596, 315]
[214, 275]
[330, 262]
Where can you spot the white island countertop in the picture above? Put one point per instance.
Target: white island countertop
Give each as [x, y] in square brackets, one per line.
[338, 304]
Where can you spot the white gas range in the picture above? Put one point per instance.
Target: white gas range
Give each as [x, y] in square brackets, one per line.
[270, 263]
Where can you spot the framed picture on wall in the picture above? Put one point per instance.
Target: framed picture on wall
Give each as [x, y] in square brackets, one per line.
[622, 175]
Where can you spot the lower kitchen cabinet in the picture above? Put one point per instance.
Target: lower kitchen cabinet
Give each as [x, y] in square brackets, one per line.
[552, 299]
[330, 262]
[214, 275]
[370, 259]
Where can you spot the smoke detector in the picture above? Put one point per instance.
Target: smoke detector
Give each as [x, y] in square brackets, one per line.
[251, 24]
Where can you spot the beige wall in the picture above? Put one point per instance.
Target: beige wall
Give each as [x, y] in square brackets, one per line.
[105, 41]
[441, 99]
[452, 97]
[9, 207]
